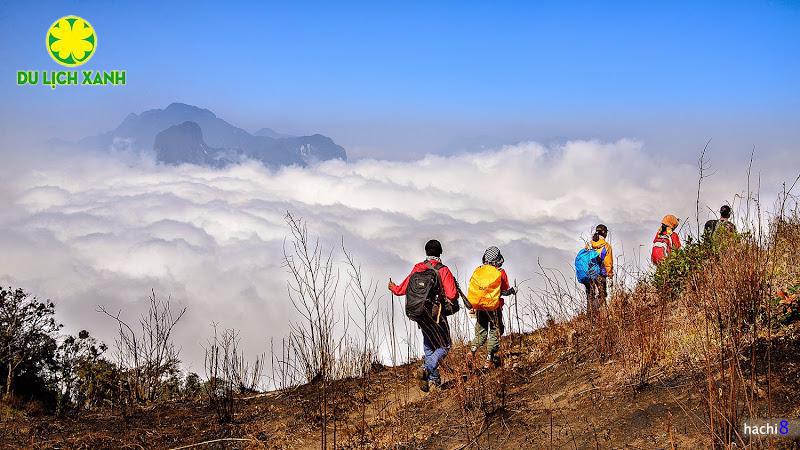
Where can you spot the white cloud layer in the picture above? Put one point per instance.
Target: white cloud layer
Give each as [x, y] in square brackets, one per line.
[104, 230]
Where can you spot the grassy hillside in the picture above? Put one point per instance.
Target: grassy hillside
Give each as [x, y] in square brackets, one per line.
[679, 359]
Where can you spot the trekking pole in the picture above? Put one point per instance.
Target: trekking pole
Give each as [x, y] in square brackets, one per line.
[394, 343]
[516, 312]
[467, 304]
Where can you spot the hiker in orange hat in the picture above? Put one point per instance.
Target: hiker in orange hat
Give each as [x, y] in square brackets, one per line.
[666, 239]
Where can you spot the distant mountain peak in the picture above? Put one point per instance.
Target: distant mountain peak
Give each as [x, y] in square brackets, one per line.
[270, 133]
[177, 107]
[183, 133]
[183, 143]
[189, 127]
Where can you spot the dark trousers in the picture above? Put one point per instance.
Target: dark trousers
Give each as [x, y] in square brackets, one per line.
[436, 343]
[596, 292]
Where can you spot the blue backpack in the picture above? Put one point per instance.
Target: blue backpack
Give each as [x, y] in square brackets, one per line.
[587, 265]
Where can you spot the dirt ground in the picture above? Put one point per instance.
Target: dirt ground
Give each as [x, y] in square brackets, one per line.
[542, 398]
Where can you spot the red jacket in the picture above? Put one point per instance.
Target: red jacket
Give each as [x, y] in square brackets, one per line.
[504, 285]
[448, 281]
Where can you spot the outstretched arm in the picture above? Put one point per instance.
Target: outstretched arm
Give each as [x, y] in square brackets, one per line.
[401, 288]
[505, 286]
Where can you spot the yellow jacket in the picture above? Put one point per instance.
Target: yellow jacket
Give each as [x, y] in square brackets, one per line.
[608, 261]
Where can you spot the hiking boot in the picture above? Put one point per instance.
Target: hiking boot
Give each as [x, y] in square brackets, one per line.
[496, 361]
[435, 385]
[423, 379]
[492, 363]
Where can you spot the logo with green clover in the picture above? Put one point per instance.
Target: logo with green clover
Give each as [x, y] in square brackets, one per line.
[71, 41]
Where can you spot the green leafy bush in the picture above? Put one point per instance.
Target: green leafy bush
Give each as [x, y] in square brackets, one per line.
[671, 275]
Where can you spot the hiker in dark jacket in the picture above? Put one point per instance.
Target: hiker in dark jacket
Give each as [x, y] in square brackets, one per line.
[724, 224]
[435, 330]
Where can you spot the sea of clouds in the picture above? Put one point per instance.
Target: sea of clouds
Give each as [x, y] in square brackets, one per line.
[89, 230]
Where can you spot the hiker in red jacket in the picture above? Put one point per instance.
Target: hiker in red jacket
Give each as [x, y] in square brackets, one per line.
[666, 239]
[433, 323]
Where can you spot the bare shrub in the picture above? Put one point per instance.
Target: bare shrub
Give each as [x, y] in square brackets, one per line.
[148, 357]
[285, 372]
[229, 373]
[319, 348]
[365, 293]
[312, 291]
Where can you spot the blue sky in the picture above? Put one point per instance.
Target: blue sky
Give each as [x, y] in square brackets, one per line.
[411, 77]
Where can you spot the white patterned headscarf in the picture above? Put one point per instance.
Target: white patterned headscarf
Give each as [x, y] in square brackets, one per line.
[492, 256]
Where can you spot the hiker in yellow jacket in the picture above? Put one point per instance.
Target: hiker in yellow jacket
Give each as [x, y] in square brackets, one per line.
[597, 289]
[486, 287]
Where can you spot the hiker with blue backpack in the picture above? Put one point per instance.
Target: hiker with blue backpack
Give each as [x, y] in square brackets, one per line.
[431, 295]
[487, 286]
[594, 264]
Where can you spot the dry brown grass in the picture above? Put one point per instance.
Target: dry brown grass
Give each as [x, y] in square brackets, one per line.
[721, 326]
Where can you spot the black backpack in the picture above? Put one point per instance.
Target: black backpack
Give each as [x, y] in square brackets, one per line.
[422, 293]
